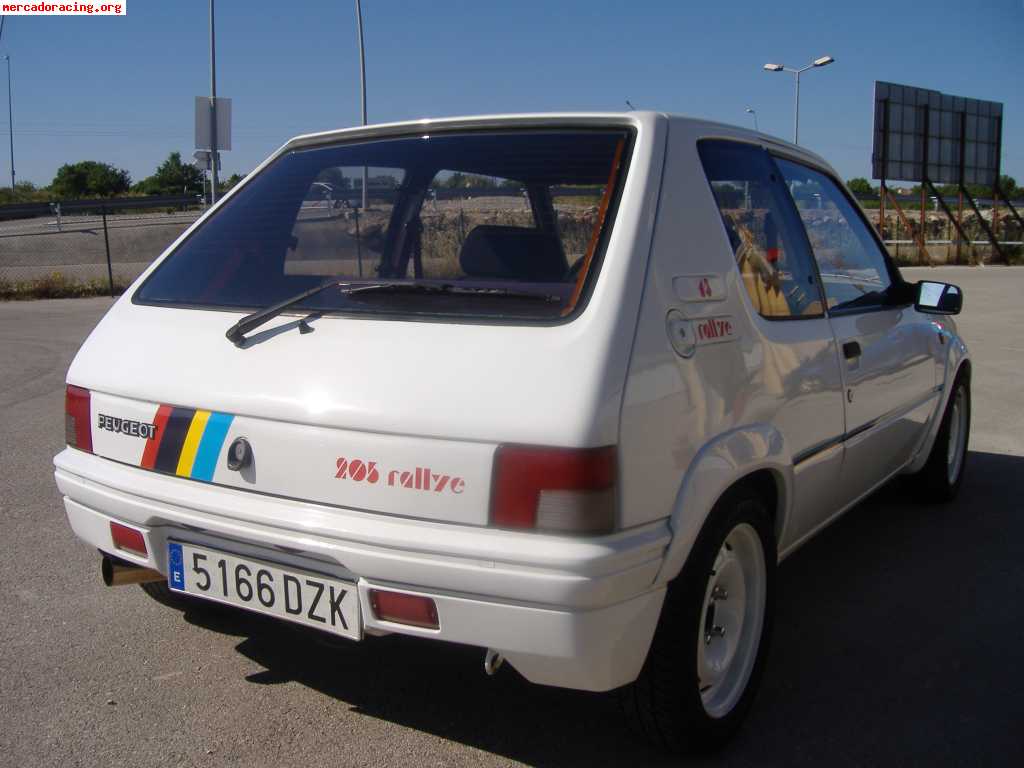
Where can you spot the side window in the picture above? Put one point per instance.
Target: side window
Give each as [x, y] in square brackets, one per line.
[481, 210]
[555, 222]
[331, 234]
[852, 266]
[770, 249]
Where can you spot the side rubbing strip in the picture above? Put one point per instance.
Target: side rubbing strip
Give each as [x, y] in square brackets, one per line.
[153, 444]
[210, 445]
[814, 450]
[191, 445]
[174, 437]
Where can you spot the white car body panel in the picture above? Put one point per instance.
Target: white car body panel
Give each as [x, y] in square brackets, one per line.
[575, 611]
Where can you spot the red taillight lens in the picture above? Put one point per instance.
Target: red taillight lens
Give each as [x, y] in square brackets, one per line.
[554, 489]
[415, 610]
[128, 538]
[77, 418]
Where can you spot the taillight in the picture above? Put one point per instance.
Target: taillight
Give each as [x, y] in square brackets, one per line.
[128, 538]
[77, 418]
[554, 489]
[414, 610]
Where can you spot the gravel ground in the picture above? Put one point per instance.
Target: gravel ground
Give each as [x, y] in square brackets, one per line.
[899, 635]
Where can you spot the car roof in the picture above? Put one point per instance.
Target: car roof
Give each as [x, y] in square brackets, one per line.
[697, 126]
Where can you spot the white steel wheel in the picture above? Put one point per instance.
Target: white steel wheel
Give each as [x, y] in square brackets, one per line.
[943, 473]
[957, 443]
[707, 656]
[733, 617]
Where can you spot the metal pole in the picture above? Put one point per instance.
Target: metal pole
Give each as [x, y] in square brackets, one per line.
[10, 121]
[106, 242]
[362, 82]
[881, 209]
[213, 110]
[796, 118]
[959, 222]
[885, 170]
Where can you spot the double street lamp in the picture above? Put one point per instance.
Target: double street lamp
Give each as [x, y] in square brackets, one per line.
[823, 61]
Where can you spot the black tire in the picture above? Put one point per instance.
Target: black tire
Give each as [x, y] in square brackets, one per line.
[932, 483]
[664, 705]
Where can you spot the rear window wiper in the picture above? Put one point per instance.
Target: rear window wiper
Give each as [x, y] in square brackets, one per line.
[236, 333]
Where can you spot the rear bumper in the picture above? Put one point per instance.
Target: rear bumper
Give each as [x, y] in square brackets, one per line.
[577, 613]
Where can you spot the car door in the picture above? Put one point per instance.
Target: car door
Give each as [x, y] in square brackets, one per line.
[888, 350]
[794, 360]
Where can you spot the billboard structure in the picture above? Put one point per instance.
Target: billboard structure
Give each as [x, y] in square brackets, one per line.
[924, 135]
[931, 137]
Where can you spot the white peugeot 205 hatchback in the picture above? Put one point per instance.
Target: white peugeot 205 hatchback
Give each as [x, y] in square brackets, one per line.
[563, 387]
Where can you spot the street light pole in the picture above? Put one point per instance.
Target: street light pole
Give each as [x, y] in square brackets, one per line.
[753, 112]
[213, 110]
[10, 121]
[819, 62]
[363, 88]
[796, 110]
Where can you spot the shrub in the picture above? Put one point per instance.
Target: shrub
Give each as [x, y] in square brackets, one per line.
[56, 286]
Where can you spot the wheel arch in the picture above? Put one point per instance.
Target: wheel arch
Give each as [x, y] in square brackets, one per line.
[753, 456]
[966, 368]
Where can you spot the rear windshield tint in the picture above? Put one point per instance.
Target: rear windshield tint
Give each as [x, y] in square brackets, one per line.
[506, 225]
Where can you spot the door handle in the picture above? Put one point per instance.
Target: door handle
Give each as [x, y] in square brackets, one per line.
[851, 350]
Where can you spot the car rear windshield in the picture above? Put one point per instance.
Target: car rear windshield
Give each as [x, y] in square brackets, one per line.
[490, 224]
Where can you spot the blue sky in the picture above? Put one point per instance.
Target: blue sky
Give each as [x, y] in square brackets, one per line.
[121, 90]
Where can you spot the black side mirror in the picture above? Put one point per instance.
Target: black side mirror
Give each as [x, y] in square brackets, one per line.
[938, 298]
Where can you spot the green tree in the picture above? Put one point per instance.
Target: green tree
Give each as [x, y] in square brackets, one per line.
[172, 177]
[1009, 187]
[454, 181]
[89, 179]
[233, 179]
[860, 186]
[24, 192]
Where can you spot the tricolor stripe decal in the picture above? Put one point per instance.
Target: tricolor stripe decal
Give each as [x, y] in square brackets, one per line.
[209, 448]
[187, 442]
[174, 437]
[153, 444]
[191, 445]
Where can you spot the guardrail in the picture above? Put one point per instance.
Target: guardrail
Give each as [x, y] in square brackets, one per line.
[58, 207]
[59, 243]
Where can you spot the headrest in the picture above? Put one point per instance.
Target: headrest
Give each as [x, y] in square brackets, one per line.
[515, 253]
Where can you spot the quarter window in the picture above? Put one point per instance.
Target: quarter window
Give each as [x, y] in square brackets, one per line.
[765, 235]
[852, 266]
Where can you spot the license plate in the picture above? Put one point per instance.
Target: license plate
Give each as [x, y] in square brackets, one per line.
[287, 593]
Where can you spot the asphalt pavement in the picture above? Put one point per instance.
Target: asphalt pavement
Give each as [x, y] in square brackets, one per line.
[899, 633]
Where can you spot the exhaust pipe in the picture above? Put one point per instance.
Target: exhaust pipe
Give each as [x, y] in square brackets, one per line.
[492, 660]
[117, 572]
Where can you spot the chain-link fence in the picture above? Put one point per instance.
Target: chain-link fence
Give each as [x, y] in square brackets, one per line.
[86, 246]
[99, 246]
